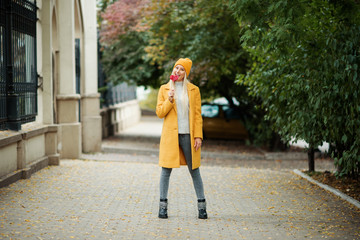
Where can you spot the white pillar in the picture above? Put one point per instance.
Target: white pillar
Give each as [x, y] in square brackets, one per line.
[67, 99]
[66, 47]
[90, 104]
[46, 73]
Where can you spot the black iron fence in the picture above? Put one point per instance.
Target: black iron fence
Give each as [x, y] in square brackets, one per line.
[18, 69]
[113, 94]
[117, 94]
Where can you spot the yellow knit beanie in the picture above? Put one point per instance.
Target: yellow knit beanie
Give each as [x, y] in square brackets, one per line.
[186, 63]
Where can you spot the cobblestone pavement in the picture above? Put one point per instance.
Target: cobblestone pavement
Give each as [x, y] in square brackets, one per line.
[119, 200]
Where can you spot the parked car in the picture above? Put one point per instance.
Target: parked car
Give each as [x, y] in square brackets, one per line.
[223, 122]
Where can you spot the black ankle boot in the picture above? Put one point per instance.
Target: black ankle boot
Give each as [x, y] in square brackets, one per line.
[163, 208]
[202, 209]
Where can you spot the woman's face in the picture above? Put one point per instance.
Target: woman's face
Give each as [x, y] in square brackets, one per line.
[179, 70]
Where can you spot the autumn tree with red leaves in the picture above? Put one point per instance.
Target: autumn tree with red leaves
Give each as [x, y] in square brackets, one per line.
[120, 18]
[124, 40]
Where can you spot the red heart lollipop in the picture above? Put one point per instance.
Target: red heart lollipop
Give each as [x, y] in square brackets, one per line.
[174, 77]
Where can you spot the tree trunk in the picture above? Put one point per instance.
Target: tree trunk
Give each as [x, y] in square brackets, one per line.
[311, 159]
[339, 150]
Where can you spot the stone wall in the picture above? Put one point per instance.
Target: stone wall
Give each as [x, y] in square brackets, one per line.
[27, 151]
[119, 117]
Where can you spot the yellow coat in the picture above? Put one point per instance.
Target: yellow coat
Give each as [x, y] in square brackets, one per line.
[171, 155]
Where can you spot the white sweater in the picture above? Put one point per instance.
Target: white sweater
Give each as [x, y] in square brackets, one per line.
[182, 117]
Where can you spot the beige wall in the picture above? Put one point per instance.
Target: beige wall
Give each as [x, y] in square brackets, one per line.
[26, 151]
[8, 159]
[34, 149]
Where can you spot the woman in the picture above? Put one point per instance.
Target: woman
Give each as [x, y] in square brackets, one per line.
[179, 103]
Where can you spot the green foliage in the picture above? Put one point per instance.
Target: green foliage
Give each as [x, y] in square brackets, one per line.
[306, 58]
[123, 44]
[206, 32]
[126, 61]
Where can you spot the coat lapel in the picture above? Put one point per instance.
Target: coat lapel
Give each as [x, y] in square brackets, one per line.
[190, 89]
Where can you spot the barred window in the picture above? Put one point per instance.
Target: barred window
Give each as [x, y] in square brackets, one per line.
[18, 69]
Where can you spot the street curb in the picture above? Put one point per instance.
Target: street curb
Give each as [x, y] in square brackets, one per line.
[328, 188]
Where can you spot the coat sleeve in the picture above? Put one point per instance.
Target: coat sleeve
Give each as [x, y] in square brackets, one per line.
[198, 127]
[163, 105]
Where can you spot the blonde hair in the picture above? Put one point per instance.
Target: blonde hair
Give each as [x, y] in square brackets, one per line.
[185, 97]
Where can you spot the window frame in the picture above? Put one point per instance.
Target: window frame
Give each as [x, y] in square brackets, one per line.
[18, 63]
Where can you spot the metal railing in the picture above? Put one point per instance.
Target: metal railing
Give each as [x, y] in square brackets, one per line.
[113, 94]
[18, 66]
[120, 93]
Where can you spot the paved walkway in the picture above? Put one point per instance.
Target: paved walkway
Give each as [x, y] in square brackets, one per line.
[115, 196]
[119, 200]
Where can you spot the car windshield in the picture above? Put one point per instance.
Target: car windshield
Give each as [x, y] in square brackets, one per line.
[209, 111]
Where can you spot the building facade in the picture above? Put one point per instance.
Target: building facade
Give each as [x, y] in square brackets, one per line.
[49, 100]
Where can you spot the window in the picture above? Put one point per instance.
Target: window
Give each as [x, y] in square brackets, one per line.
[18, 69]
[2, 77]
[78, 71]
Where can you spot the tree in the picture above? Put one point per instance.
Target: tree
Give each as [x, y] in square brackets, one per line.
[306, 71]
[124, 57]
[204, 31]
[142, 46]
[101, 5]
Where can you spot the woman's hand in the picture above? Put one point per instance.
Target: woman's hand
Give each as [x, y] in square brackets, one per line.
[197, 144]
[171, 95]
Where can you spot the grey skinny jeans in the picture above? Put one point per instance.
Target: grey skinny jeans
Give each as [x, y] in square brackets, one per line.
[185, 144]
